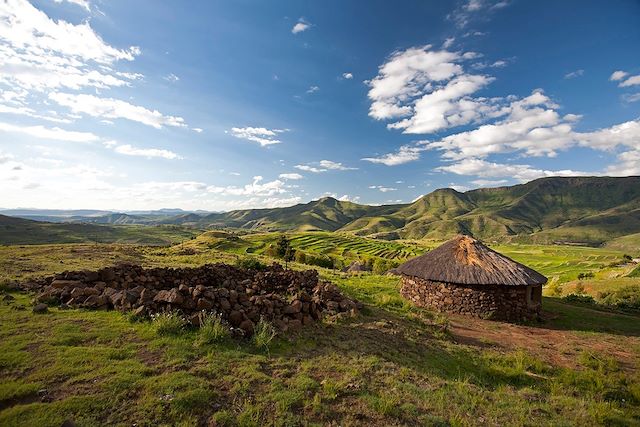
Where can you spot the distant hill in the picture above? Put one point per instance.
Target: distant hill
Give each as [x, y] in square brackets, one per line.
[20, 231]
[583, 210]
[577, 210]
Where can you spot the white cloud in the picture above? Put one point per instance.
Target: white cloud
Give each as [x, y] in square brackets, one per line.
[256, 188]
[382, 188]
[110, 108]
[618, 75]
[290, 176]
[347, 198]
[29, 112]
[489, 182]
[308, 168]
[405, 154]
[628, 164]
[631, 97]
[171, 78]
[262, 136]
[54, 133]
[631, 81]
[328, 164]
[129, 150]
[430, 89]
[197, 130]
[473, 9]
[82, 3]
[313, 89]
[323, 166]
[574, 74]
[448, 42]
[300, 26]
[347, 76]
[39, 52]
[485, 169]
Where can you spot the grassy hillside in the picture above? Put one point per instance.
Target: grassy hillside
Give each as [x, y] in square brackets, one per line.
[585, 210]
[27, 232]
[394, 364]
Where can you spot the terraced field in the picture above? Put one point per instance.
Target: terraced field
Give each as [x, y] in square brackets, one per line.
[350, 246]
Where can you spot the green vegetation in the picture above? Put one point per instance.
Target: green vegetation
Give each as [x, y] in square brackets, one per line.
[394, 364]
[17, 231]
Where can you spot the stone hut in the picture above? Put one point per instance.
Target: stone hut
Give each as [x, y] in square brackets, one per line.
[466, 277]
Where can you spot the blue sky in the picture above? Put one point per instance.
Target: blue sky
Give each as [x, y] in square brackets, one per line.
[223, 105]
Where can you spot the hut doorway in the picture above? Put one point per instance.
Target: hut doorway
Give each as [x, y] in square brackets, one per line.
[534, 295]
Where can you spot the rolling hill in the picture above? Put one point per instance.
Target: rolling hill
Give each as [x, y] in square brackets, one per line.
[19, 231]
[575, 210]
[584, 210]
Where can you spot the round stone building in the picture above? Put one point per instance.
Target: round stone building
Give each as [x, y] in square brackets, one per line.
[466, 277]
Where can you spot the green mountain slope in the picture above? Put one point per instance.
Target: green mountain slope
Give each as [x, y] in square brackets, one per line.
[18, 231]
[583, 210]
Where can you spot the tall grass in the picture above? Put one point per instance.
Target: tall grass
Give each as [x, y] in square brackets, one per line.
[212, 329]
[169, 323]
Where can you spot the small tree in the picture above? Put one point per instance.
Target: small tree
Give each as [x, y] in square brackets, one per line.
[284, 250]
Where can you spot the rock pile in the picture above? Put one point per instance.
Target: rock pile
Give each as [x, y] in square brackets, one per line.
[288, 299]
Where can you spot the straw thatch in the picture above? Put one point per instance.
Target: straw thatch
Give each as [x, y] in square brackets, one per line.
[464, 260]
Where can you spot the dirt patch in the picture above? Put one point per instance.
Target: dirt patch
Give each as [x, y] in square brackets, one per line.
[556, 347]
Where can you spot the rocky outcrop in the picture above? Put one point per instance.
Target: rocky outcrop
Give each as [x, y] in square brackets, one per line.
[289, 299]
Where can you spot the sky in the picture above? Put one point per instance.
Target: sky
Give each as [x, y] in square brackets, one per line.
[221, 105]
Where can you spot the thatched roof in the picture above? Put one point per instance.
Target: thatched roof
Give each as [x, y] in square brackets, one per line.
[466, 261]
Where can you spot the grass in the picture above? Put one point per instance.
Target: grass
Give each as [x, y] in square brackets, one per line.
[395, 364]
[212, 329]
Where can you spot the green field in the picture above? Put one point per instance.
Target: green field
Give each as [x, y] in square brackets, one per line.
[394, 364]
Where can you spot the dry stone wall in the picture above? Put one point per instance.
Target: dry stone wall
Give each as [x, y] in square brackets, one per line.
[485, 301]
[289, 299]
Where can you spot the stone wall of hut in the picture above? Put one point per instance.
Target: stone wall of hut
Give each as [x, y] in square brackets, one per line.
[497, 302]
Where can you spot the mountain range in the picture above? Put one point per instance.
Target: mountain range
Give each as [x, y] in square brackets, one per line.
[580, 210]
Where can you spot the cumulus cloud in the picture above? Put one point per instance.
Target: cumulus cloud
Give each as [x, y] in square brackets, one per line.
[261, 135]
[347, 76]
[428, 91]
[109, 108]
[129, 150]
[300, 26]
[313, 89]
[323, 166]
[624, 79]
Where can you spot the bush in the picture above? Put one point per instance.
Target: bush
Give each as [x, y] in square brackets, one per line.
[168, 323]
[587, 275]
[319, 260]
[250, 263]
[626, 298]
[212, 329]
[579, 298]
[301, 257]
[263, 334]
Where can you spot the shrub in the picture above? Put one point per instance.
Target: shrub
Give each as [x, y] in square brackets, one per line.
[263, 334]
[626, 298]
[212, 329]
[579, 298]
[319, 260]
[586, 275]
[250, 263]
[169, 322]
[301, 257]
